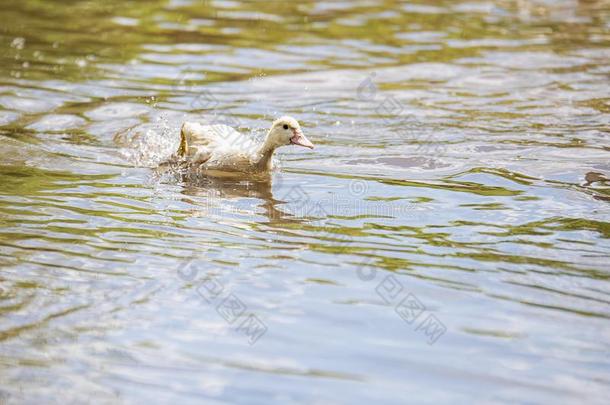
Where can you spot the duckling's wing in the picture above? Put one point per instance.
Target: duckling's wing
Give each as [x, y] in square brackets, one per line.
[199, 143]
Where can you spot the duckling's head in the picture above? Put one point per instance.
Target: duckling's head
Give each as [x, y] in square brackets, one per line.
[287, 131]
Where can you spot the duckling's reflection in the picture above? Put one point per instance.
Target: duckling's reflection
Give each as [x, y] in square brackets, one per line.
[230, 186]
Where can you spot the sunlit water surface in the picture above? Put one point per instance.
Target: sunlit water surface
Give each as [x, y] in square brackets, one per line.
[447, 240]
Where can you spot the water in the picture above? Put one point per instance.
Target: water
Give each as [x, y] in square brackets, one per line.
[446, 241]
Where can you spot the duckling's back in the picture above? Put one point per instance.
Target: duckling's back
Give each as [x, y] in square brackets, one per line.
[218, 146]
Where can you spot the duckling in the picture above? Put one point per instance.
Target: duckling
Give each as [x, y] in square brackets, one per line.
[220, 147]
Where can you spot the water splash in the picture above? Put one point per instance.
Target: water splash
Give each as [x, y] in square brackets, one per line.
[149, 144]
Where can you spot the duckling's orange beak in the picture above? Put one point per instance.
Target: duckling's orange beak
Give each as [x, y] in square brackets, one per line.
[300, 139]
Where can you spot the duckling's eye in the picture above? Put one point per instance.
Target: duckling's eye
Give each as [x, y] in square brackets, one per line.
[285, 126]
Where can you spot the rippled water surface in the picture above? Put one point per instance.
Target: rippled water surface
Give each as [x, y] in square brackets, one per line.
[447, 240]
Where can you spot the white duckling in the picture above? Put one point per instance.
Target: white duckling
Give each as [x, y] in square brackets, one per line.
[220, 147]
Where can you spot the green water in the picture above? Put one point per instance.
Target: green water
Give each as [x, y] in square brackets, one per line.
[447, 241]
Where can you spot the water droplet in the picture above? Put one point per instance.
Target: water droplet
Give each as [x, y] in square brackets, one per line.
[18, 43]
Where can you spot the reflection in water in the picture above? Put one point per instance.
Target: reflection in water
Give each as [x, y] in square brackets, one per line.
[463, 164]
[224, 187]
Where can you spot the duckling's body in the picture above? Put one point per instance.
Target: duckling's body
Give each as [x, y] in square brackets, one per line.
[221, 148]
